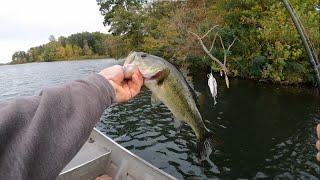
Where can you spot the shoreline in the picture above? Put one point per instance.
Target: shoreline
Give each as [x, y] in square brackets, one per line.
[201, 72]
[195, 71]
[72, 59]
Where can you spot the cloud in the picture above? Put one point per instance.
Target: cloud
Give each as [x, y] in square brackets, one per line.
[29, 23]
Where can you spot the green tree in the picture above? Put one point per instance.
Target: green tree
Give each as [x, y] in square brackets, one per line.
[268, 47]
[63, 41]
[265, 30]
[110, 9]
[125, 18]
[69, 51]
[52, 38]
[20, 57]
[86, 49]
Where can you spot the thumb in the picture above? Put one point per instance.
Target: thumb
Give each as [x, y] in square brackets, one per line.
[129, 71]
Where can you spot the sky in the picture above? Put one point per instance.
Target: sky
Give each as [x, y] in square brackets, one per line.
[28, 23]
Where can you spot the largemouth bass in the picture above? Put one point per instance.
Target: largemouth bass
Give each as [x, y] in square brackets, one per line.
[169, 87]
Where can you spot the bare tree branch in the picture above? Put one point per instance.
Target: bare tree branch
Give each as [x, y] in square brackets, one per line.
[226, 79]
[232, 43]
[213, 42]
[209, 31]
[208, 52]
[223, 67]
[226, 52]
[222, 44]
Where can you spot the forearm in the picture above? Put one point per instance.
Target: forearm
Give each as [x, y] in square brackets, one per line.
[39, 135]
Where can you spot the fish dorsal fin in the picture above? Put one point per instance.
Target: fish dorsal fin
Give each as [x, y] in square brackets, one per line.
[195, 94]
[154, 100]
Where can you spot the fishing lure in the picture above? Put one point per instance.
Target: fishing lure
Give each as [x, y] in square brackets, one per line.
[212, 83]
[318, 7]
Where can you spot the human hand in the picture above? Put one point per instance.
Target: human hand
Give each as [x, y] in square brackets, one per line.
[125, 87]
[318, 142]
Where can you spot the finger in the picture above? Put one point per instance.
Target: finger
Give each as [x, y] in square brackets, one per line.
[318, 145]
[122, 92]
[138, 78]
[125, 92]
[134, 88]
[318, 131]
[118, 74]
[135, 84]
[318, 156]
[136, 81]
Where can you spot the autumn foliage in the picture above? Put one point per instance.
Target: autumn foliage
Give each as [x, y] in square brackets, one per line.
[267, 47]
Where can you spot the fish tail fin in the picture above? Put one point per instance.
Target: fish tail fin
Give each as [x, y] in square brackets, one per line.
[207, 145]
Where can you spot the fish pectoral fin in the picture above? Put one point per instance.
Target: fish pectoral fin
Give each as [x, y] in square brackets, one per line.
[154, 100]
[177, 123]
[162, 76]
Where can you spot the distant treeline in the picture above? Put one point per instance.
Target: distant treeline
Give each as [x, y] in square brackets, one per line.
[76, 46]
[267, 47]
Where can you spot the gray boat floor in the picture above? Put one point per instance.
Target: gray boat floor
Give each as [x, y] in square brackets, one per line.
[100, 155]
[90, 151]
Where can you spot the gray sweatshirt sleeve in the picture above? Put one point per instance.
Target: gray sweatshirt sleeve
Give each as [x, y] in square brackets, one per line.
[39, 135]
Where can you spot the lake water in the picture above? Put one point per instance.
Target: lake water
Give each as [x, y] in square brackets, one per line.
[268, 132]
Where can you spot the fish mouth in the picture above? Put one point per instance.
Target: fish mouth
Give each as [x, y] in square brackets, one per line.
[129, 68]
[135, 61]
[154, 76]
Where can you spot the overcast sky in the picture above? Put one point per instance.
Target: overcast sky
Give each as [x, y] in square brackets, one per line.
[28, 23]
